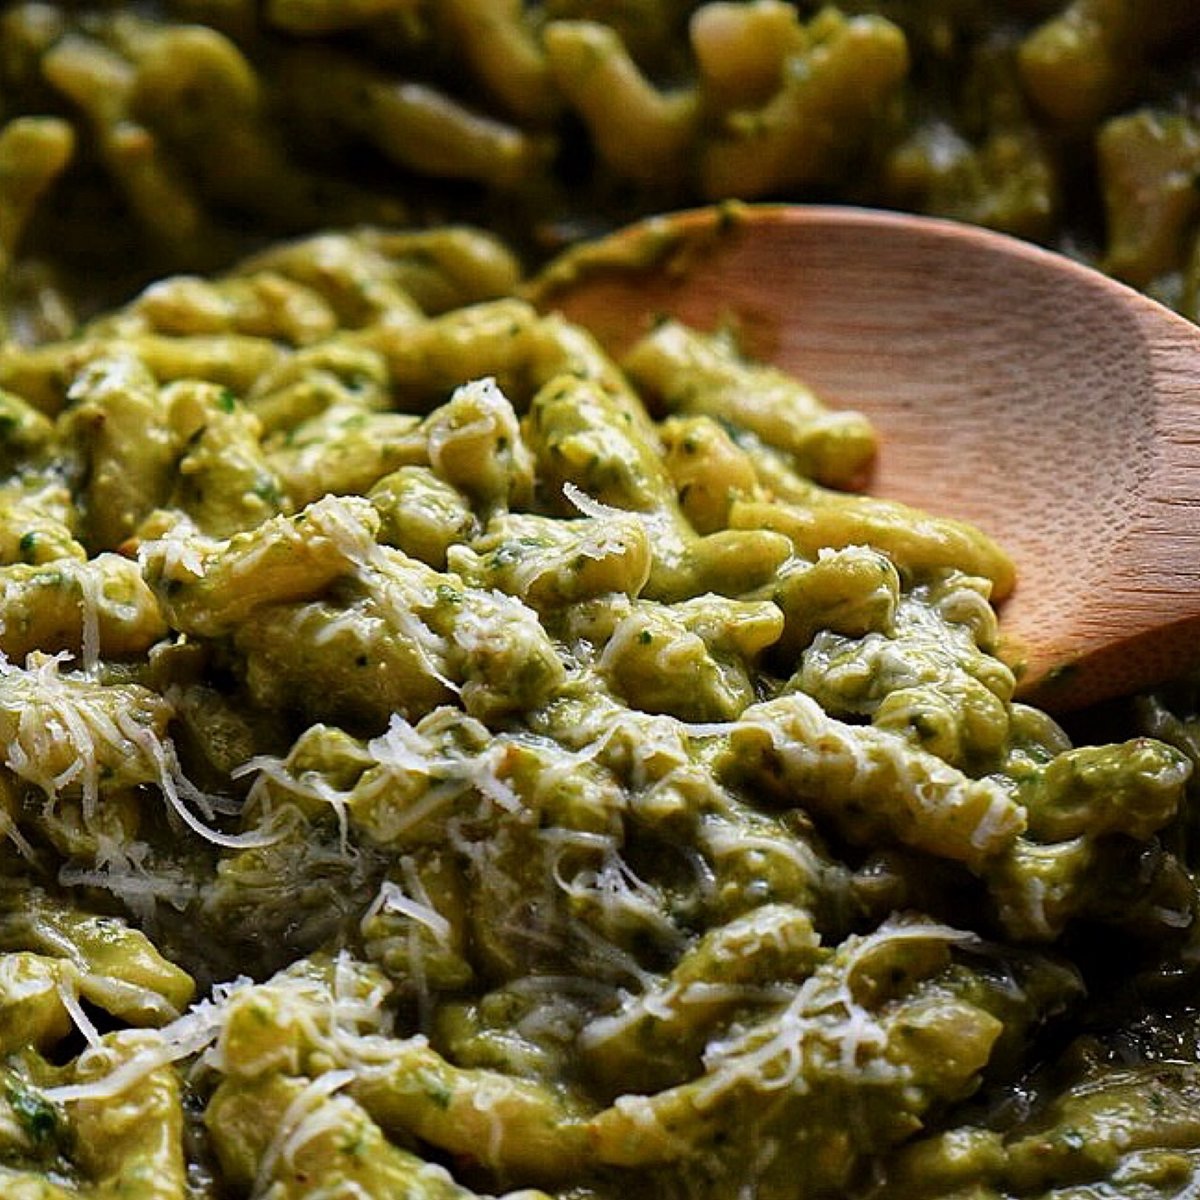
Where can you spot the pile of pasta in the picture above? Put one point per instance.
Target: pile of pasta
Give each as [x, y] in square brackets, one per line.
[440, 761]
[138, 140]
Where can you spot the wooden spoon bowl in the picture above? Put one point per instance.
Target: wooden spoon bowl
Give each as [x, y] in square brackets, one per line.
[1055, 408]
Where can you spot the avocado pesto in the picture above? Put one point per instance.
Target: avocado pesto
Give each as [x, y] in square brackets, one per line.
[438, 761]
[441, 761]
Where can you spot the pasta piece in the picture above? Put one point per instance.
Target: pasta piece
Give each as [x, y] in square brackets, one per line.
[640, 133]
[691, 374]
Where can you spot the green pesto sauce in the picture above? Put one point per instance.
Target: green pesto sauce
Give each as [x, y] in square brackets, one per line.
[518, 804]
[439, 761]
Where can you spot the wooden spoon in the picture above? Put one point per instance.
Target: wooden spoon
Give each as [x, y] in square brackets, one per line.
[1055, 408]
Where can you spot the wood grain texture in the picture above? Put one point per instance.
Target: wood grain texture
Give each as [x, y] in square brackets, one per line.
[1055, 408]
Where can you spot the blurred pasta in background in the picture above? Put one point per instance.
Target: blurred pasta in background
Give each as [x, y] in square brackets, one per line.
[141, 139]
